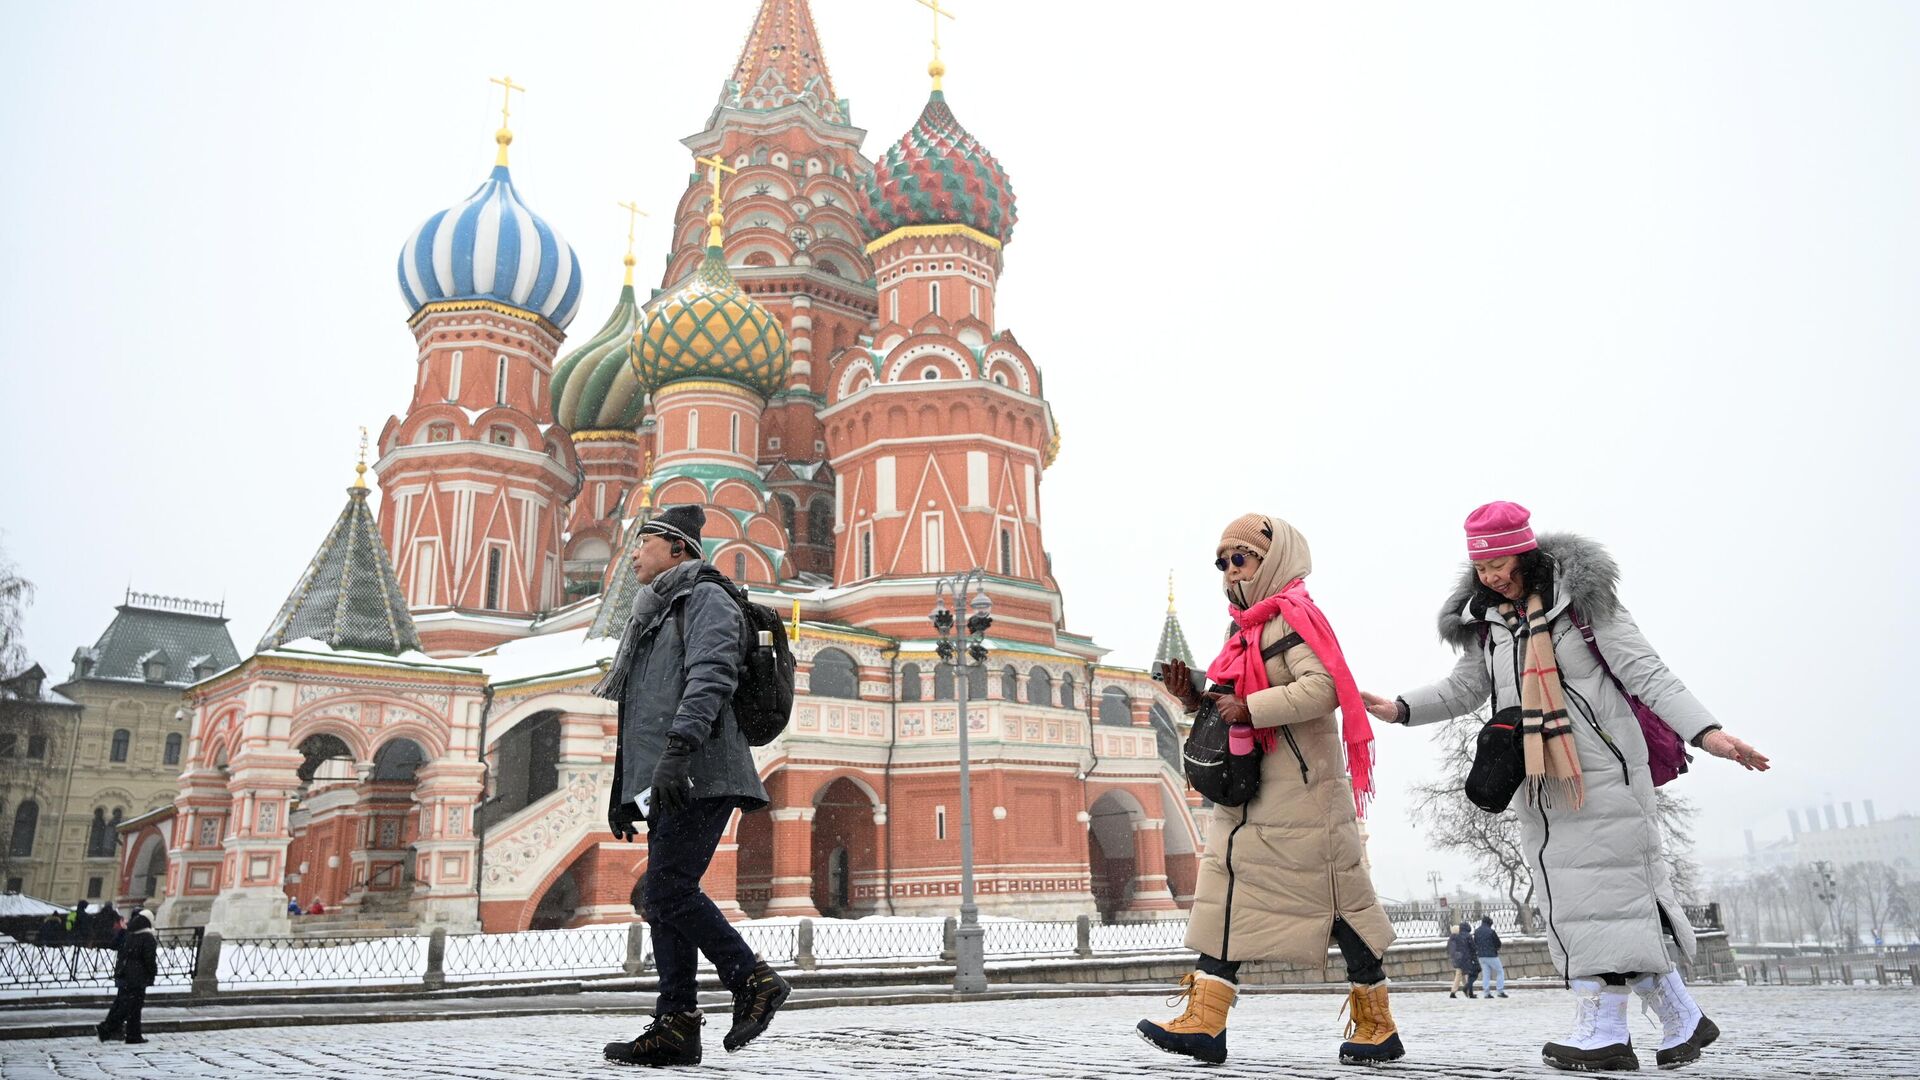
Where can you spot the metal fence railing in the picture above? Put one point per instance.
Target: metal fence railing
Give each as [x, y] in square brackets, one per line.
[532, 954]
[202, 963]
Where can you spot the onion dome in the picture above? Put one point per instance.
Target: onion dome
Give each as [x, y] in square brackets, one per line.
[491, 247]
[709, 329]
[937, 174]
[594, 387]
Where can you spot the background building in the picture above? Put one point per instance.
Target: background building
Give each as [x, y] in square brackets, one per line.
[414, 741]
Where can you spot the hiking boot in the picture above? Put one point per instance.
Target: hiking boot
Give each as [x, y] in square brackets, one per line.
[135, 1040]
[1684, 1029]
[1599, 1040]
[1201, 1031]
[106, 1033]
[1452, 994]
[1372, 1038]
[673, 1039]
[754, 1005]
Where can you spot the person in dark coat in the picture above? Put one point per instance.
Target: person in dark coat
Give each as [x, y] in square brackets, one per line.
[135, 970]
[683, 767]
[1460, 951]
[1486, 949]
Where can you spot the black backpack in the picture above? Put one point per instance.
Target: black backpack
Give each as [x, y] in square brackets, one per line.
[763, 698]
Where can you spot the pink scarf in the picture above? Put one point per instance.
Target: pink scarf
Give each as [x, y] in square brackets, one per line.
[1239, 662]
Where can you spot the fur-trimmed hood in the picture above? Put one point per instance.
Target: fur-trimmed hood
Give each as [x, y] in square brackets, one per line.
[1584, 576]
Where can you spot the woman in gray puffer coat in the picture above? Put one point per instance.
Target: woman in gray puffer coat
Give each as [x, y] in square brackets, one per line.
[1587, 813]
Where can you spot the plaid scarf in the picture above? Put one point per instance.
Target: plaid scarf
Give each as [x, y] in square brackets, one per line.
[1546, 733]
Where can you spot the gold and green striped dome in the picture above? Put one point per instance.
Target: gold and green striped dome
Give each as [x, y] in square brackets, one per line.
[709, 329]
[594, 387]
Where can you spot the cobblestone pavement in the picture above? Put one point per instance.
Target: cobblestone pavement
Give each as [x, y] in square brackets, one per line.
[1768, 1032]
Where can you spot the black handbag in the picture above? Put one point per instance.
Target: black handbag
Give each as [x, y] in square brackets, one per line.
[1221, 776]
[1498, 764]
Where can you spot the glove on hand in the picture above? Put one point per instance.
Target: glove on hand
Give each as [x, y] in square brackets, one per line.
[1231, 709]
[672, 782]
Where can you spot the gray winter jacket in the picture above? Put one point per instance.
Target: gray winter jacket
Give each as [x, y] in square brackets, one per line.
[1597, 868]
[685, 687]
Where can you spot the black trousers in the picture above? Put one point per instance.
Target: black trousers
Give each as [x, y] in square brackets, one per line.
[685, 921]
[1622, 978]
[124, 1015]
[1362, 966]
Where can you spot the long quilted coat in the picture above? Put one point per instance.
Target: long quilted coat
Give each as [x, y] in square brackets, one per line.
[1278, 869]
[1598, 869]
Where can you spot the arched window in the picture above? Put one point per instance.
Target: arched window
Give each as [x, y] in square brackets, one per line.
[866, 554]
[910, 682]
[1009, 684]
[933, 297]
[976, 683]
[453, 380]
[834, 675]
[500, 383]
[1115, 709]
[820, 522]
[943, 682]
[693, 429]
[172, 756]
[99, 840]
[122, 740]
[1066, 691]
[26, 821]
[788, 512]
[739, 566]
[1039, 686]
[398, 760]
[733, 432]
[1006, 552]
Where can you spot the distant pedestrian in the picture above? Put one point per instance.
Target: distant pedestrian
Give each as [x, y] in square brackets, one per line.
[1543, 635]
[1486, 949]
[316, 908]
[1460, 951]
[133, 972]
[293, 906]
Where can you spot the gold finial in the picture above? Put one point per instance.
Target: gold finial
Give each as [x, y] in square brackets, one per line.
[360, 469]
[1169, 592]
[715, 219]
[633, 213]
[505, 137]
[936, 68]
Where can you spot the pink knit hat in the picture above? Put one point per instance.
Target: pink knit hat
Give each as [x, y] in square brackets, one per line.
[1497, 529]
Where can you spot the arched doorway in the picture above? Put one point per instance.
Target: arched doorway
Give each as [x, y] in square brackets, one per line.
[383, 863]
[1110, 850]
[845, 860]
[754, 876]
[558, 905]
[322, 823]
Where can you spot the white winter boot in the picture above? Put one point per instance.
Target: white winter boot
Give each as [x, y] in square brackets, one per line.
[1599, 1041]
[1684, 1029]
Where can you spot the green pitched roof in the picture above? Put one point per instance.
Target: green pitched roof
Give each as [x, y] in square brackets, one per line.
[183, 634]
[348, 597]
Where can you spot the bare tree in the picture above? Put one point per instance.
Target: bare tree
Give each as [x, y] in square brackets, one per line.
[1676, 840]
[23, 727]
[16, 593]
[1868, 888]
[1452, 823]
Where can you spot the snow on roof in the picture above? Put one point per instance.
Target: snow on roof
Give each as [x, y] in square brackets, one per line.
[563, 652]
[16, 904]
[412, 658]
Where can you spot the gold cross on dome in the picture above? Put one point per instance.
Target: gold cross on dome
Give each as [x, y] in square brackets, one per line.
[508, 86]
[360, 469]
[936, 69]
[634, 213]
[715, 167]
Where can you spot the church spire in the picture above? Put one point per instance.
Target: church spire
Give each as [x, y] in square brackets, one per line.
[348, 597]
[782, 64]
[1173, 640]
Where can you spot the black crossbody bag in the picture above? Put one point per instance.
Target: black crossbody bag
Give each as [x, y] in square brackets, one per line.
[1215, 771]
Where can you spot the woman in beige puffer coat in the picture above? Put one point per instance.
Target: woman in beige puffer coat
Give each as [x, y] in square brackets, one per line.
[1284, 874]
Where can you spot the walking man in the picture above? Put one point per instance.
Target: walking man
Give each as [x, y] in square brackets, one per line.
[1486, 946]
[683, 767]
[133, 972]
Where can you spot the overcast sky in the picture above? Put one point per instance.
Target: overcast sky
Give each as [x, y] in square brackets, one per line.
[1649, 269]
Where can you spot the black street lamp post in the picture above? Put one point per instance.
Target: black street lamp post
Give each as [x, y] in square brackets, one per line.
[960, 648]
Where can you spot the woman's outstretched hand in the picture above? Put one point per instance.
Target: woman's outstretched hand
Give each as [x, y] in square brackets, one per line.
[1722, 745]
[1384, 709]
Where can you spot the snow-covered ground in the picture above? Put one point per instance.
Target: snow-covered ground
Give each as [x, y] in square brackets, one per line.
[1768, 1032]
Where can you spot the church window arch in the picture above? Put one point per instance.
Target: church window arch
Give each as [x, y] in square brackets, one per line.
[910, 688]
[834, 675]
[500, 382]
[1116, 708]
[819, 521]
[1066, 691]
[172, 755]
[693, 429]
[122, 744]
[453, 376]
[933, 297]
[26, 822]
[1039, 687]
[733, 432]
[1009, 684]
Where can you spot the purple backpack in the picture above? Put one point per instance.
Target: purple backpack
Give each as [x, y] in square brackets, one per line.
[1667, 755]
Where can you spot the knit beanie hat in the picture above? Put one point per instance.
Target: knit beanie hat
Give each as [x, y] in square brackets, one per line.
[1497, 529]
[678, 523]
[1251, 531]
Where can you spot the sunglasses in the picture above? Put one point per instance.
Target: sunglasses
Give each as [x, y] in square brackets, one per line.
[1238, 558]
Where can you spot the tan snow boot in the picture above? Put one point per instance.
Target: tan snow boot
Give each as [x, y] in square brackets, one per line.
[1201, 1031]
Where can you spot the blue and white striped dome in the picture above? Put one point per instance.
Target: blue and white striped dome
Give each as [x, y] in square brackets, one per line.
[491, 247]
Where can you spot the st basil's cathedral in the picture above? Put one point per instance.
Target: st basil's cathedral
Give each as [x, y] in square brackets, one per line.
[414, 742]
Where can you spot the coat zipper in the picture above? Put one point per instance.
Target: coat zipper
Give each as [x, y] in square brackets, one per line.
[1586, 711]
[1546, 884]
[1226, 919]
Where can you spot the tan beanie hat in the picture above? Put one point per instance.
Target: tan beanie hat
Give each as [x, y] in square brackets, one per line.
[1252, 531]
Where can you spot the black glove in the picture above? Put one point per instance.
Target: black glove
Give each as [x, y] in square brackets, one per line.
[621, 819]
[672, 784]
